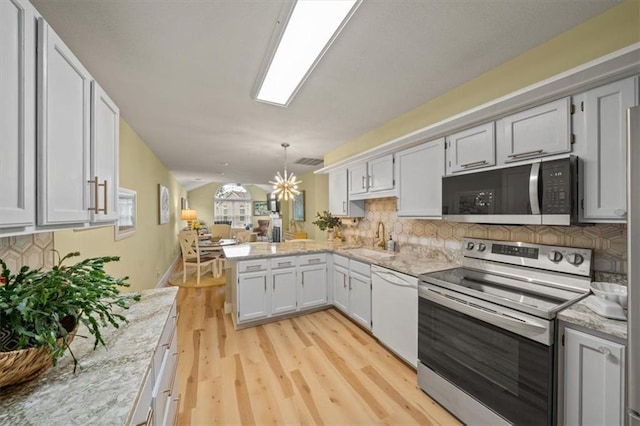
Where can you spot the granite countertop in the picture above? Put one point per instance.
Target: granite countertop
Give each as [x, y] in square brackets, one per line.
[410, 262]
[580, 314]
[105, 389]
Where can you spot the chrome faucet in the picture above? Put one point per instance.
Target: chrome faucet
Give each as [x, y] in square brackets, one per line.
[382, 241]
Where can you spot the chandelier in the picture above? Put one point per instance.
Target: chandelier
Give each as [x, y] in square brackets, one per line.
[285, 186]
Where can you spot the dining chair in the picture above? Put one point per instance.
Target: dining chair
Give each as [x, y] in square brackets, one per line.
[191, 256]
[220, 230]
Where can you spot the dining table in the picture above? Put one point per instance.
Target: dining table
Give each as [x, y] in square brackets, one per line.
[208, 245]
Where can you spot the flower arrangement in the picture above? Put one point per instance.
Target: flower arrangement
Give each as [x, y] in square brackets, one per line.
[326, 221]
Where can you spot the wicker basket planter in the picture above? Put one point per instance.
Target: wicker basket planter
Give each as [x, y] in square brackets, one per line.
[26, 364]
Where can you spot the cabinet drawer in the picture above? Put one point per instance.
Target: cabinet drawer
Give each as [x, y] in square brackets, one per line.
[171, 411]
[341, 261]
[143, 407]
[360, 268]
[253, 265]
[168, 334]
[312, 259]
[283, 262]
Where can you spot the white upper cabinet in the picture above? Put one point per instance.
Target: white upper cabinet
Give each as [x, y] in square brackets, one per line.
[419, 178]
[64, 103]
[600, 127]
[471, 149]
[339, 203]
[358, 183]
[372, 179]
[17, 114]
[536, 132]
[105, 131]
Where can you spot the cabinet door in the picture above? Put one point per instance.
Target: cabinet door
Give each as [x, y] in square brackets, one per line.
[602, 141]
[471, 149]
[283, 291]
[64, 103]
[360, 299]
[17, 114]
[594, 380]
[420, 171]
[105, 131]
[252, 296]
[341, 288]
[536, 132]
[313, 286]
[358, 179]
[338, 193]
[381, 174]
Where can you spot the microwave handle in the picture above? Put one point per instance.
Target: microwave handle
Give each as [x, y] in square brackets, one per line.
[534, 179]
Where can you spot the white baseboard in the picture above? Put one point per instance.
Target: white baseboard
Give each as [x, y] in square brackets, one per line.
[227, 307]
[164, 279]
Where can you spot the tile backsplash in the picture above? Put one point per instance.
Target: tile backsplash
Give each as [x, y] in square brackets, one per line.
[608, 241]
[34, 250]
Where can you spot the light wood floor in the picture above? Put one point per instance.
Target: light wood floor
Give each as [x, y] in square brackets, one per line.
[315, 369]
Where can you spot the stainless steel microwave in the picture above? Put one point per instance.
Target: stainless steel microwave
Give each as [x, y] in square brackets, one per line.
[541, 193]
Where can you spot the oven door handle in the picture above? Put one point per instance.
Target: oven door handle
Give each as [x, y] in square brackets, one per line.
[521, 326]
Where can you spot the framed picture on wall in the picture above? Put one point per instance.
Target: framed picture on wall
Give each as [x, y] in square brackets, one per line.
[298, 207]
[261, 208]
[163, 204]
[127, 206]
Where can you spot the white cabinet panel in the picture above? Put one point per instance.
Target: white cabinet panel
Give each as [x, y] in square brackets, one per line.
[252, 296]
[419, 181]
[471, 149]
[360, 299]
[283, 291]
[594, 380]
[64, 102]
[341, 288]
[17, 114]
[105, 133]
[536, 132]
[380, 174]
[313, 285]
[339, 203]
[358, 179]
[600, 126]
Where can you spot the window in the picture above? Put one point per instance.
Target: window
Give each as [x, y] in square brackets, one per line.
[232, 203]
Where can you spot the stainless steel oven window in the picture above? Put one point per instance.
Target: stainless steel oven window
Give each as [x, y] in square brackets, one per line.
[510, 374]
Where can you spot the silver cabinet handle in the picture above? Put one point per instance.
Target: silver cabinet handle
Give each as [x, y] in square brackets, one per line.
[524, 154]
[284, 263]
[315, 260]
[302, 278]
[349, 283]
[475, 163]
[344, 207]
[265, 283]
[534, 199]
[96, 195]
[363, 178]
[253, 267]
[344, 281]
[370, 181]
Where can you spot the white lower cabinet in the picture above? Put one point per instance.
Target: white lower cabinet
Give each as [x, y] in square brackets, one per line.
[158, 399]
[352, 289]
[313, 285]
[283, 285]
[594, 380]
[273, 287]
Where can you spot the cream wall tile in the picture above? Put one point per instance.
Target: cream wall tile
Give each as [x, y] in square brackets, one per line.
[35, 250]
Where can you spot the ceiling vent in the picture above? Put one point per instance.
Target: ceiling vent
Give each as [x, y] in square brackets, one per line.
[309, 161]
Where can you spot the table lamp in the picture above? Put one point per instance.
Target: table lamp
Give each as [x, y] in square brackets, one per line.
[189, 215]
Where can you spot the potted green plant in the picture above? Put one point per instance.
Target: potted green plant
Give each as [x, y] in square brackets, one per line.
[40, 309]
[326, 221]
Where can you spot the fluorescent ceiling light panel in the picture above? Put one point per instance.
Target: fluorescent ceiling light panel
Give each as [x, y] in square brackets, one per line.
[312, 27]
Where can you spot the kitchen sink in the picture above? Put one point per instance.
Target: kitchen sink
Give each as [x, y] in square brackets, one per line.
[370, 253]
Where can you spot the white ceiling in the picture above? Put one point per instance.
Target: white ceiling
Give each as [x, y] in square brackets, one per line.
[182, 71]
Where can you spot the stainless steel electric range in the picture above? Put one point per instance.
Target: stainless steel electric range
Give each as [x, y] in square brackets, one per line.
[486, 330]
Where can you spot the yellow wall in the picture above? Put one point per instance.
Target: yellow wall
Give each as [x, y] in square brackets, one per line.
[201, 200]
[147, 255]
[617, 28]
[316, 188]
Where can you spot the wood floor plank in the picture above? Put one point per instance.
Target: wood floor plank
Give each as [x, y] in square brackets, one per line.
[242, 394]
[313, 369]
[274, 362]
[351, 378]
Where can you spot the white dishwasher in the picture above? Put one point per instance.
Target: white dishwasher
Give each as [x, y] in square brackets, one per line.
[394, 306]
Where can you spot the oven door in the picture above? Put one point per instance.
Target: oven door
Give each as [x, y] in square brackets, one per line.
[510, 374]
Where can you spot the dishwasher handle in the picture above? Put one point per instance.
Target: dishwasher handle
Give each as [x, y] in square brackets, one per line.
[395, 279]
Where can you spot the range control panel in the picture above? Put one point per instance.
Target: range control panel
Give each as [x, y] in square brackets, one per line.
[552, 258]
